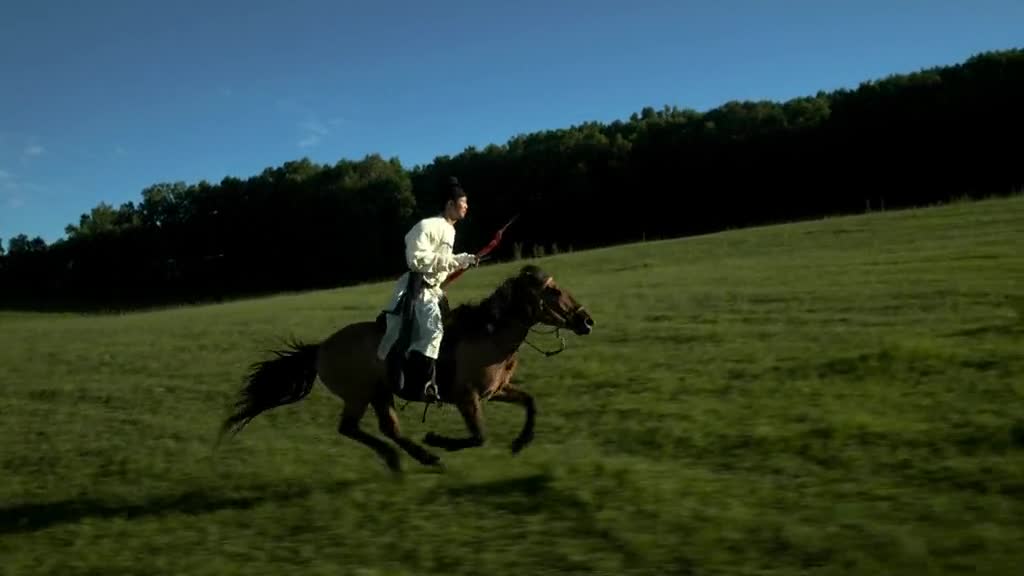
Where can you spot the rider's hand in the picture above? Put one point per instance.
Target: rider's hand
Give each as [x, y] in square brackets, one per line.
[466, 260]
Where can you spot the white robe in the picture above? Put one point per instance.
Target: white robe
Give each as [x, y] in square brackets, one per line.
[429, 251]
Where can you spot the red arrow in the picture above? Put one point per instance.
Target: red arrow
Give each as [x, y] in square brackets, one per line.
[483, 251]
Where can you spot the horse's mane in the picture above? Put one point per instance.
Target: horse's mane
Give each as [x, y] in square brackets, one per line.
[475, 318]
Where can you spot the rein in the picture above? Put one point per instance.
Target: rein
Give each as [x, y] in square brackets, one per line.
[549, 353]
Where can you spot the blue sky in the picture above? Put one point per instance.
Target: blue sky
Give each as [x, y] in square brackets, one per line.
[100, 99]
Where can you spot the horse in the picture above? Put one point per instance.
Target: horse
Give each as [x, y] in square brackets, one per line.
[479, 354]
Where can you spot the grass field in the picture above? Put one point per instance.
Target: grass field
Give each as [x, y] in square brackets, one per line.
[841, 396]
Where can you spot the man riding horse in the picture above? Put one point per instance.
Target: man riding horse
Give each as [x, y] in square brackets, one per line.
[414, 316]
[474, 364]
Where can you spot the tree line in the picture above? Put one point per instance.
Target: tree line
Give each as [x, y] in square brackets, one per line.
[906, 140]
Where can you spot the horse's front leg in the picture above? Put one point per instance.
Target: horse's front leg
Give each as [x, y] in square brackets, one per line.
[515, 395]
[473, 416]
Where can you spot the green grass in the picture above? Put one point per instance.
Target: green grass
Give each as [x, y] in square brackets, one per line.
[841, 396]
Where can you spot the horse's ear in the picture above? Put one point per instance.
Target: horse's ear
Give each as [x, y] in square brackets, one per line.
[534, 273]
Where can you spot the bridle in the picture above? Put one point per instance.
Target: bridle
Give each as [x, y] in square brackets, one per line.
[561, 320]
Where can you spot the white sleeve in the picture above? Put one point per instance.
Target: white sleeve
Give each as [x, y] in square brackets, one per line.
[421, 254]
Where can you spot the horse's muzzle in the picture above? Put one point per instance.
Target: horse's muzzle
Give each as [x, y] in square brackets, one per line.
[582, 323]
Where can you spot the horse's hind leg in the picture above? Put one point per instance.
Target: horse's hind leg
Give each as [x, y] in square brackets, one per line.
[388, 420]
[349, 427]
[472, 414]
[514, 395]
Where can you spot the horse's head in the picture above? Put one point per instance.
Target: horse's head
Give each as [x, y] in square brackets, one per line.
[550, 303]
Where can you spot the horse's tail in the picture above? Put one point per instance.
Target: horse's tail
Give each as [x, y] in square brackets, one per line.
[285, 379]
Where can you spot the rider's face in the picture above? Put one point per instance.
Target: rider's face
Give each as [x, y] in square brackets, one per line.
[457, 209]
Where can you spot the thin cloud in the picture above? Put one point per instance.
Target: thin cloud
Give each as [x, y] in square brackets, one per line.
[14, 190]
[8, 184]
[314, 131]
[315, 127]
[309, 141]
[31, 153]
[10, 191]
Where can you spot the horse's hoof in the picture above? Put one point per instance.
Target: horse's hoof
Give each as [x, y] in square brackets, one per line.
[519, 443]
[395, 465]
[432, 439]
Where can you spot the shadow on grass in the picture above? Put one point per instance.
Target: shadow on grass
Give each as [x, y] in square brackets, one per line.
[24, 518]
[522, 495]
[998, 329]
[537, 494]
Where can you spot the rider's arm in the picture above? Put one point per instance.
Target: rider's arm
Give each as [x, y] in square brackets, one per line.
[421, 255]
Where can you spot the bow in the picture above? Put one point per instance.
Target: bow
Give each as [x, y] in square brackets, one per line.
[483, 251]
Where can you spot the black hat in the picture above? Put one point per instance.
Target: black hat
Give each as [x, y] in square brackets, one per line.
[452, 190]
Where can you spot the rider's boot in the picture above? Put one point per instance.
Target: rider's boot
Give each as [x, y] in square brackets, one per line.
[421, 368]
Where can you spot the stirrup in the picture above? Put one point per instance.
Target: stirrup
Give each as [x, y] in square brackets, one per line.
[431, 393]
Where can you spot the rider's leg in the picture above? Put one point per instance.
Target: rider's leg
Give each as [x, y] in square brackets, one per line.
[426, 344]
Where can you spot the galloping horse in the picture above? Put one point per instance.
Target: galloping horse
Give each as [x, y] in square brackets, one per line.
[478, 357]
